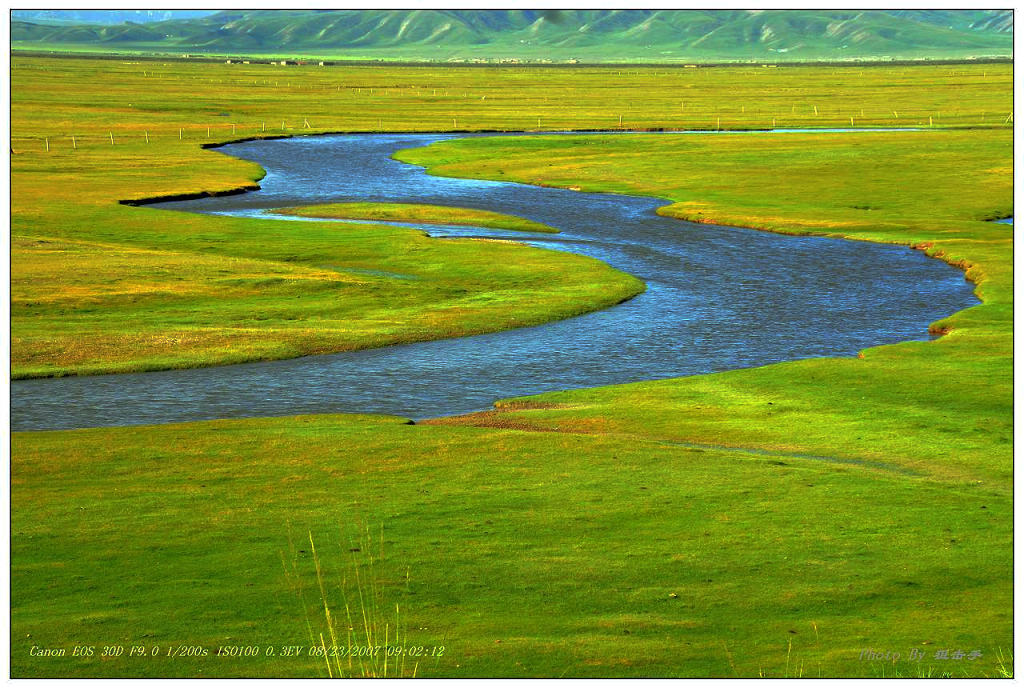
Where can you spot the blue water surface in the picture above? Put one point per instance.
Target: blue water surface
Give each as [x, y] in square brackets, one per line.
[718, 298]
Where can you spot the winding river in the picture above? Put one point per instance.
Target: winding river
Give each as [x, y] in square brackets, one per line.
[718, 298]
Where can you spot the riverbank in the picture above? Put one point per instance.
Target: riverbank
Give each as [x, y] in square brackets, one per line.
[690, 321]
[99, 287]
[857, 409]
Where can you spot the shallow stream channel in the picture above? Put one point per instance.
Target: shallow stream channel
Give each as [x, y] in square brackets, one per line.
[718, 298]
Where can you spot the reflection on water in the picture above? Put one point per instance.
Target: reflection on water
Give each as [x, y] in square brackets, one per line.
[718, 298]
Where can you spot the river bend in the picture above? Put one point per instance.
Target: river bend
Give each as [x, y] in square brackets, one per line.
[718, 298]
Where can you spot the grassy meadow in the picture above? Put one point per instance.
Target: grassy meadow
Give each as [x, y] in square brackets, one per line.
[522, 553]
[776, 521]
[59, 97]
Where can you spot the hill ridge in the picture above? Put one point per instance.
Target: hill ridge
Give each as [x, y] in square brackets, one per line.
[595, 35]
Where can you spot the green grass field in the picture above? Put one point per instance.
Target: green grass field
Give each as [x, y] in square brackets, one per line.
[522, 553]
[777, 521]
[58, 98]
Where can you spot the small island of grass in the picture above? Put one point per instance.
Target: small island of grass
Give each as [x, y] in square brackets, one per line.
[421, 213]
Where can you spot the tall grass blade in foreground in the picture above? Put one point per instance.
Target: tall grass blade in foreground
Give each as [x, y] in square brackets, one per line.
[371, 643]
[1005, 662]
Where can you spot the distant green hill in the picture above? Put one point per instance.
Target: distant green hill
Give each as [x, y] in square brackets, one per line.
[104, 16]
[586, 35]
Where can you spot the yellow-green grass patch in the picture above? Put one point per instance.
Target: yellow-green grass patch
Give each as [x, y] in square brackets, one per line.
[421, 213]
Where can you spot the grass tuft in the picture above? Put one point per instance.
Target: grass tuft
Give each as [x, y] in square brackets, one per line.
[369, 638]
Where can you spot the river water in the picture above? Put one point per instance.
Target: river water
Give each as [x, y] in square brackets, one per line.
[718, 298]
